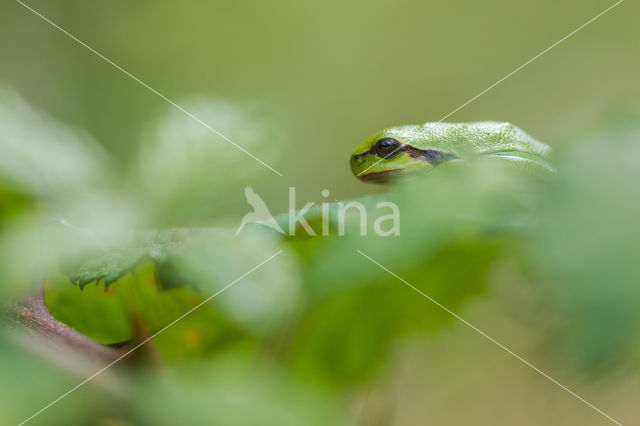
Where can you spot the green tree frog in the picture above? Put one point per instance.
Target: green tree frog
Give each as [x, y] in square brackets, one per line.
[423, 147]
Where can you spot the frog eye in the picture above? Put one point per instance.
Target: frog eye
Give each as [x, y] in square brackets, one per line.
[386, 146]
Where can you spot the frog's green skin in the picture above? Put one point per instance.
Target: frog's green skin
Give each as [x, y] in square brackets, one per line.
[422, 147]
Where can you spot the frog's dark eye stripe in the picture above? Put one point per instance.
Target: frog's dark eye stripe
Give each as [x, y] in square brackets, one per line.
[431, 156]
[389, 148]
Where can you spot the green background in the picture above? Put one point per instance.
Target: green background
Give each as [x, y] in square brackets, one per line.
[328, 74]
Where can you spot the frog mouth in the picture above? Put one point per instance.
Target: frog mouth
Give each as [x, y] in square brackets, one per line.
[380, 177]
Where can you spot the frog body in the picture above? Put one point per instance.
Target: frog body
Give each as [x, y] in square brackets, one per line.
[423, 147]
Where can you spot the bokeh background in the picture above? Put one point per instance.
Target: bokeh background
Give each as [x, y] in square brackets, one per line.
[326, 74]
[301, 84]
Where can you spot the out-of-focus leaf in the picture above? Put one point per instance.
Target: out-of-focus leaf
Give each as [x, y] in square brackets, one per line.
[134, 307]
[49, 174]
[94, 311]
[587, 243]
[234, 390]
[28, 245]
[43, 158]
[192, 265]
[457, 204]
[262, 296]
[346, 336]
[29, 383]
[13, 204]
[111, 265]
[187, 172]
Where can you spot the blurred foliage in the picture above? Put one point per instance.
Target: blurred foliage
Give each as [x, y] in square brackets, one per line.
[329, 74]
[234, 390]
[173, 172]
[587, 239]
[28, 381]
[301, 329]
